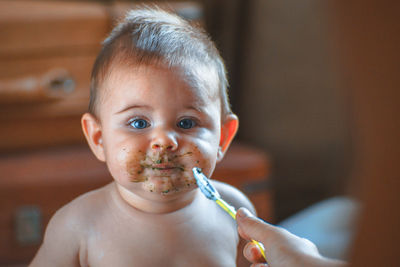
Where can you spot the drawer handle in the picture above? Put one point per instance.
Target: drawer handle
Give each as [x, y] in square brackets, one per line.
[53, 85]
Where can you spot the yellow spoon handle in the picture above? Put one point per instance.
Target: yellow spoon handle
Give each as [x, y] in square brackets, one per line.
[231, 210]
[228, 208]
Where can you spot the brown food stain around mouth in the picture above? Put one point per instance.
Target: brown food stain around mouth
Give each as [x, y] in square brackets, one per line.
[145, 166]
[189, 153]
[133, 168]
[138, 163]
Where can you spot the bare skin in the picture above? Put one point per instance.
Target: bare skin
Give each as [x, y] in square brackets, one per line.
[101, 229]
[151, 130]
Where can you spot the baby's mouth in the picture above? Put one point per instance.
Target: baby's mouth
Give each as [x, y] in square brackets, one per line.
[164, 167]
[164, 162]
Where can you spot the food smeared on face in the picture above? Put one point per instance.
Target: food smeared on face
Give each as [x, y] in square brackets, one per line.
[162, 171]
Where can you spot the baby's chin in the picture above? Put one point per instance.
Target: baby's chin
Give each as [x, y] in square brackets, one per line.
[166, 183]
[163, 186]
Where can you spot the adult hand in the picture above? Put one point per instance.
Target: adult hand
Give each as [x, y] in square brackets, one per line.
[282, 249]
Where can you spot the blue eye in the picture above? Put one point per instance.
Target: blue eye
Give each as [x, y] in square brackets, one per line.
[139, 124]
[186, 124]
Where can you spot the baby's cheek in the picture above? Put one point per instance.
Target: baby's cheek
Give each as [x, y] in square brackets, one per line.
[129, 162]
[201, 158]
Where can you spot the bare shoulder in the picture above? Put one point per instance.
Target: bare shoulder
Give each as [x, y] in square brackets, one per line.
[69, 226]
[81, 211]
[233, 195]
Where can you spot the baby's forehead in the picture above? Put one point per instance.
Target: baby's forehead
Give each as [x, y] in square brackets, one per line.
[200, 80]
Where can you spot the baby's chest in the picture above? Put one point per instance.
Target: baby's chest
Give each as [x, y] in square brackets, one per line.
[172, 245]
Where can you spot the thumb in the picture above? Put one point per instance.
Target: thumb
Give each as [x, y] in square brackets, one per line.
[251, 227]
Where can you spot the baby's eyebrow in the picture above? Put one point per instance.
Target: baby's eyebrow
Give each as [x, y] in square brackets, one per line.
[198, 109]
[193, 107]
[133, 107]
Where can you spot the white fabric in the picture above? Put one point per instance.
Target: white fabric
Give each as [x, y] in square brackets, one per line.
[328, 224]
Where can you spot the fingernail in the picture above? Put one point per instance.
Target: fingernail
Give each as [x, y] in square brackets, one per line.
[243, 213]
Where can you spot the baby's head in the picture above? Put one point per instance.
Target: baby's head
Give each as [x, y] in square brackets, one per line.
[158, 104]
[155, 37]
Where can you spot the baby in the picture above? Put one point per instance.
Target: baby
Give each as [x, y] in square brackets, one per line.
[158, 108]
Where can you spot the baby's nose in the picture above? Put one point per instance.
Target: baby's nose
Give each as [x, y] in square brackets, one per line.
[164, 141]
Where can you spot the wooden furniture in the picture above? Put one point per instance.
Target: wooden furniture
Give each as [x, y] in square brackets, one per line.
[46, 55]
[35, 184]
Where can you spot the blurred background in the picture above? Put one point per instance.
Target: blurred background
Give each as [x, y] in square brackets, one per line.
[294, 155]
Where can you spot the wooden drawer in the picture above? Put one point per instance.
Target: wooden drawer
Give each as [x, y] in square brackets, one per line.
[46, 55]
[34, 185]
[36, 120]
[37, 184]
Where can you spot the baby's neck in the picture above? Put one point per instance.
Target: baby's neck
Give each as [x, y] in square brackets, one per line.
[157, 207]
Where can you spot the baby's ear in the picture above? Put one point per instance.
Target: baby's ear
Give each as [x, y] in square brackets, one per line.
[92, 129]
[229, 128]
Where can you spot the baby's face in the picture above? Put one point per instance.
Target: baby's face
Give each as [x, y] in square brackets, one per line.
[155, 129]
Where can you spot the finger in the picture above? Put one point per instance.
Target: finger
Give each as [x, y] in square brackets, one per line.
[251, 227]
[241, 233]
[252, 253]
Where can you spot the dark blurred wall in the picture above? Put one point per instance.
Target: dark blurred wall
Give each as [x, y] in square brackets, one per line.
[286, 91]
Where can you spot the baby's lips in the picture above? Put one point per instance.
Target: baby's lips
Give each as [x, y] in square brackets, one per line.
[165, 166]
